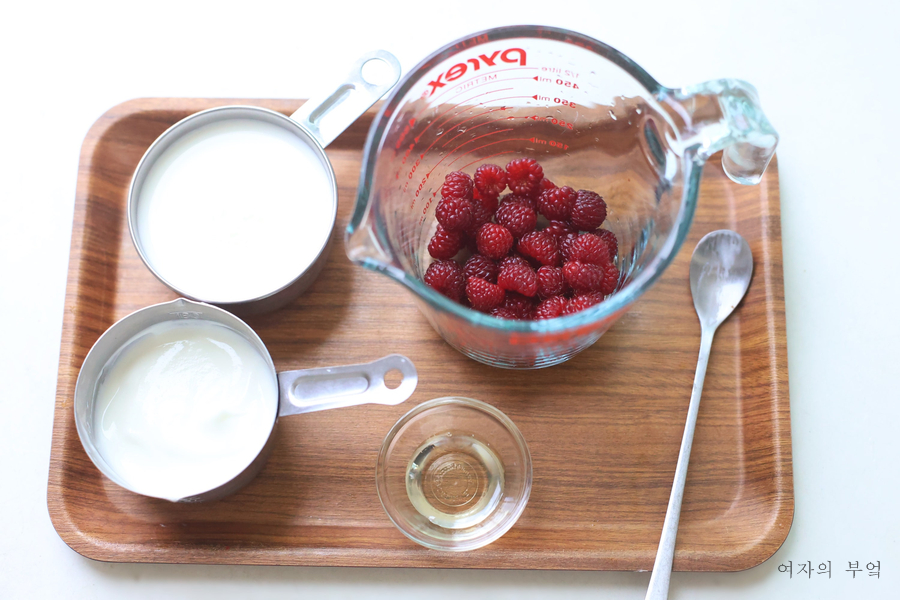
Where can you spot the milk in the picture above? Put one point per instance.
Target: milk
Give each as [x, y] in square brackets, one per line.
[234, 210]
[183, 407]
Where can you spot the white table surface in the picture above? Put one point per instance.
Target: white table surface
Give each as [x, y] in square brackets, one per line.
[827, 76]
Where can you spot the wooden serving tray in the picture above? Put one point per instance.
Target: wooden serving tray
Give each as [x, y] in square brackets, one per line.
[604, 429]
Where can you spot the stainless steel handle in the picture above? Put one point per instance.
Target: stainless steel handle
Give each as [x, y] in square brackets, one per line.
[662, 568]
[310, 390]
[326, 116]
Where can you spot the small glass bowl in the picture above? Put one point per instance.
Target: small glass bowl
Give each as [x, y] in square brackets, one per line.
[454, 474]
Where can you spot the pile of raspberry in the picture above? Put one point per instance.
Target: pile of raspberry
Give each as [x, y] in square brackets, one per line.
[520, 265]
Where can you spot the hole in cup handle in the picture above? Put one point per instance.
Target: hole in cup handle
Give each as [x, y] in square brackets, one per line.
[311, 390]
[325, 116]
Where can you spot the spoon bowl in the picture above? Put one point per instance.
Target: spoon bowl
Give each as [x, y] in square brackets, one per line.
[721, 267]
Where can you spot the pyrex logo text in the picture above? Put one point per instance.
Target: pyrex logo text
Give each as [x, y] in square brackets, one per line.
[510, 55]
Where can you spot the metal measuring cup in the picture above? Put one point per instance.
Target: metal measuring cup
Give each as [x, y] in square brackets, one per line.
[316, 124]
[299, 392]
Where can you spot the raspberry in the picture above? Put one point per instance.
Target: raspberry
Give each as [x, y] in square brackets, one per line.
[565, 245]
[526, 200]
[516, 217]
[581, 302]
[493, 240]
[541, 247]
[490, 180]
[610, 238]
[519, 305]
[550, 282]
[446, 277]
[482, 267]
[481, 214]
[484, 295]
[457, 185]
[518, 278]
[490, 204]
[455, 214]
[546, 184]
[501, 312]
[589, 211]
[550, 308]
[610, 279]
[513, 259]
[445, 244]
[557, 229]
[583, 277]
[524, 176]
[556, 204]
[589, 248]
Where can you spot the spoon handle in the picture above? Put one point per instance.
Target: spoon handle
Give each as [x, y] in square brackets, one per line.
[662, 568]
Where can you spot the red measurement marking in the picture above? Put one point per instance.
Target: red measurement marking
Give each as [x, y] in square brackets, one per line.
[460, 146]
[476, 77]
[435, 120]
[481, 125]
[467, 165]
[461, 123]
[551, 143]
[491, 144]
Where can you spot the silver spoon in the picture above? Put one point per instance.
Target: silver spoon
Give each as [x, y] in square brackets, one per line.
[720, 275]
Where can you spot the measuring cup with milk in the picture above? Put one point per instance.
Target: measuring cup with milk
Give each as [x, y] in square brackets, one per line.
[235, 205]
[180, 400]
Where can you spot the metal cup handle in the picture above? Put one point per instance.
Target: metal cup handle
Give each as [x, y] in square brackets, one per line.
[310, 390]
[326, 116]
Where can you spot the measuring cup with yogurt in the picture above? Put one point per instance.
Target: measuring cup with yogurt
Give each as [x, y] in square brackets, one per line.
[235, 205]
[594, 119]
[180, 400]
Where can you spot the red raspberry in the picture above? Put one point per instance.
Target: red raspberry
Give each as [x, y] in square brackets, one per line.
[546, 184]
[581, 302]
[501, 312]
[610, 238]
[526, 200]
[481, 214]
[524, 176]
[518, 278]
[565, 245]
[513, 259]
[445, 244]
[610, 279]
[541, 247]
[556, 204]
[490, 180]
[490, 204]
[484, 295]
[516, 217]
[589, 248]
[589, 211]
[550, 308]
[457, 185]
[550, 282]
[557, 229]
[494, 241]
[446, 276]
[482, 267]
[583, 277]
[455, 214]
[519, 305]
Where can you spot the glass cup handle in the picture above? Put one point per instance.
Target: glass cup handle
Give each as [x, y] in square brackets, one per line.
[724, 114]
[310, 390]
[326, 116]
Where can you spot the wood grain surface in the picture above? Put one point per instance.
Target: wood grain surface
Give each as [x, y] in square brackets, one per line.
[604, 429]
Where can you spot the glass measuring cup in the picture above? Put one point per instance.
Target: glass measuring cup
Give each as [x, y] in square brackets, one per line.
[594, 119]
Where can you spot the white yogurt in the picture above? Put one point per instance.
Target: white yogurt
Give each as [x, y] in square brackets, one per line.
[183, 407]
[234, 210]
